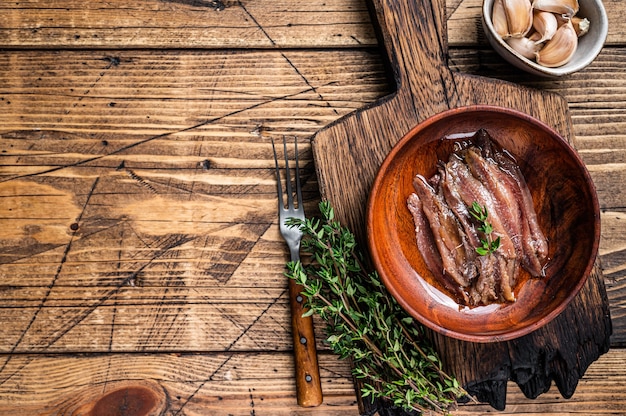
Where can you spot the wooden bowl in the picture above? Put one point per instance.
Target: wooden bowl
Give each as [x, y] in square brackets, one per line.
[565, 201]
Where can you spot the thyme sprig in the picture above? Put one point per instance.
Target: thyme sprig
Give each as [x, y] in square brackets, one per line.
[488, 244]
[389, 351]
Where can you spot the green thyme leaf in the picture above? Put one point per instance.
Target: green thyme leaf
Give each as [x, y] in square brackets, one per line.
[482, 251]
[488, 245]
[495, 244]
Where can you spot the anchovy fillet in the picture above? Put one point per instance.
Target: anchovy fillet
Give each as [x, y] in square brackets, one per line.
[447, 235]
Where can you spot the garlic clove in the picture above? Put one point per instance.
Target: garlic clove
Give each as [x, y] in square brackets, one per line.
[560, 49]
[564, 7]
[581, 25]
[561, 19]
[535, 37]
[498, 18]
[545, 24]
[525, 46]
[519, 17]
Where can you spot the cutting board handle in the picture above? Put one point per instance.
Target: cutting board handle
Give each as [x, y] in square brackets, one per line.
[414, 33]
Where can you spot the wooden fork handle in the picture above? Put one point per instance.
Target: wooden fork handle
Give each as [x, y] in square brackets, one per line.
[308, 386]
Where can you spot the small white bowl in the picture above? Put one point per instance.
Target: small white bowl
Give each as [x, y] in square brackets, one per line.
[589, 45]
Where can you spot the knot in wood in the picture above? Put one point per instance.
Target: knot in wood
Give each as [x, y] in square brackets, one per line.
[129, 401]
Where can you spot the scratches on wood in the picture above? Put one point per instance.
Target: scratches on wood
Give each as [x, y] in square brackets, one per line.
[184, 24]
[131, 173]
[111, 62]
[256, 23]
[156, 274]
[210, 378]
[231, 252]
[91, 160]
[14, 347]
[252, 411]
[52, 283]
[75, 383]
[177, 255]
[216, 5]
[259, 317]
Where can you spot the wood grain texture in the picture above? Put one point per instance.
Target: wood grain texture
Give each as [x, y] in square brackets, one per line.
[189, 384]
[241, 384]
[307, 377]
[215, 24]
[221, 168]
[161, 236]
[185, 24]
[137, 223]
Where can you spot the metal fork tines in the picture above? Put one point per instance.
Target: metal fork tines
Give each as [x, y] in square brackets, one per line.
[292, 235]
[308, 387]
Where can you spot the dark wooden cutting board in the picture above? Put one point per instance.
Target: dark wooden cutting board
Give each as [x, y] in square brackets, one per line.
[349, 152]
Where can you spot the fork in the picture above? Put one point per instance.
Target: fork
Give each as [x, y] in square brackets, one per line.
[308, 387]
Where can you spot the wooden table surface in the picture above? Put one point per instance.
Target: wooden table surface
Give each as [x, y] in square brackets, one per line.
[139, 248]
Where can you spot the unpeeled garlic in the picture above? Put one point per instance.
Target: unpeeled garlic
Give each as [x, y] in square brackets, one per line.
[498, 17]
[581, 25]
[519, 17]
[545, 24]
[525, 46]
[543, 32]
[560, 49]
[564, 7]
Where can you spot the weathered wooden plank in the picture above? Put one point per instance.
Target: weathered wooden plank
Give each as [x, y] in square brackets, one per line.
[613, 257]
[244, 384]
[180, 192]
[111, 141]
[184, 24]
[176, 93]
[216, 24]
[184, 93]
[170, 322]
[190, 384]
[89, 94]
